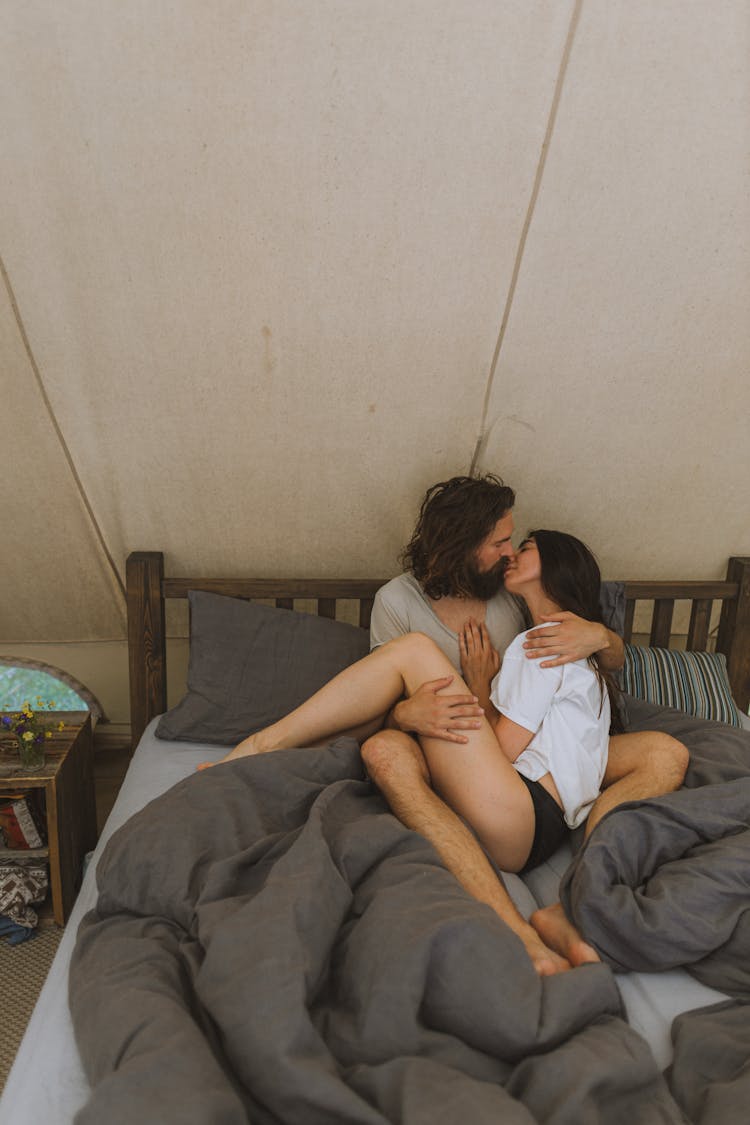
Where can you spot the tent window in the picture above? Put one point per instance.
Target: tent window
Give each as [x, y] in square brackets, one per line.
[24, 681]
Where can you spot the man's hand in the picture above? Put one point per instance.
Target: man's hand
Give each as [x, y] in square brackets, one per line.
[572, 638]
[438, 716]
[480, 662]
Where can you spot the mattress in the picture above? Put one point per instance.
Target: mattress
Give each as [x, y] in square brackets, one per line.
[651, 1000]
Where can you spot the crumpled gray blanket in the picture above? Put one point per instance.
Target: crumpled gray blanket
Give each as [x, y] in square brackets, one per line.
[271, 945]
[665, 883]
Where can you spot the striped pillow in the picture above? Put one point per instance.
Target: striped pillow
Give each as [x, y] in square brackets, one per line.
[695, 682]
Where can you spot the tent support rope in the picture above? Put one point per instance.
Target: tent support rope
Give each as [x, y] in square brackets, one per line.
[118, 582]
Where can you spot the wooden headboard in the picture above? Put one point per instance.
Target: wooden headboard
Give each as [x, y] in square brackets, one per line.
[148, 589]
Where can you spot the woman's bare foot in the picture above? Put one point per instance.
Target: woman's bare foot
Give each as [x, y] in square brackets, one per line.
[248, 746]
[556, 931]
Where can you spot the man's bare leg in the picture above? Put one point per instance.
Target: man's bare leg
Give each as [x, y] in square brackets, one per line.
[398, 767]
[475, 780]
[640, 765]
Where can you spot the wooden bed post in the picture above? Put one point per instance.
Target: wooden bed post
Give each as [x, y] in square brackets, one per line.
[144, 572]
[734, 631]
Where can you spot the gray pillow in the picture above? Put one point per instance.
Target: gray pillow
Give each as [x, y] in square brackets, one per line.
[612, 603]
[251, 664]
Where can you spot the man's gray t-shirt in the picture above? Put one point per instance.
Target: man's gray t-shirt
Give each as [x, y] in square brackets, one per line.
[401, 606]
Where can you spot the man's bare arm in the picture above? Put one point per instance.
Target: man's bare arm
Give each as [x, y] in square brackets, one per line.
[432, 711]
[574, 638]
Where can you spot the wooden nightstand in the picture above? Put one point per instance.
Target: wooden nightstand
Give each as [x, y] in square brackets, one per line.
[67, 779]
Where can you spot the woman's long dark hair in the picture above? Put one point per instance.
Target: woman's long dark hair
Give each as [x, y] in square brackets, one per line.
[572, 579]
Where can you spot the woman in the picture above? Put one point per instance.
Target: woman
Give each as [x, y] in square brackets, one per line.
[571, 710]
[534, 764]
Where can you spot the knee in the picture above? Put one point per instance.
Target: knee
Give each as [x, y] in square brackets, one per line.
[651, 760]
[668, 758]
[391, 756]
[377, 750]
[413, 645]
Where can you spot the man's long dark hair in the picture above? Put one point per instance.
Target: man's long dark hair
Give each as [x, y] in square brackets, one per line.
[572, 579]
[455, 518]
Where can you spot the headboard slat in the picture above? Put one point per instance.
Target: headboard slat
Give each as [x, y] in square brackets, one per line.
[734, 631]
[661, 622]
[700, 618]
[147, 642]
[629, 616]
[147, 589]
[365, 612]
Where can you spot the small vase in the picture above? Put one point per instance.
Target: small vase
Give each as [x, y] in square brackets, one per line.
[31, 754]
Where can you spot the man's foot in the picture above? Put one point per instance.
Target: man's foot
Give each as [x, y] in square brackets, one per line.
[545, 961]
[557, 932]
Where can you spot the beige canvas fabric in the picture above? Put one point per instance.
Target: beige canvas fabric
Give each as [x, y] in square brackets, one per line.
[279, 271]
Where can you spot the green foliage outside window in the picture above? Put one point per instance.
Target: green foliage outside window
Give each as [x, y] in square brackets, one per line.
[26, 685]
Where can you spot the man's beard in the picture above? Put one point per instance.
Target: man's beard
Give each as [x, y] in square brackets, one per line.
[484, 584]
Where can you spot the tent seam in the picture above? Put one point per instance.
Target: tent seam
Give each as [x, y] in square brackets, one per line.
[484, 429]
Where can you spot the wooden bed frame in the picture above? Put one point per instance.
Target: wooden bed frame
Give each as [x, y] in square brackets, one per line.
[148, 589]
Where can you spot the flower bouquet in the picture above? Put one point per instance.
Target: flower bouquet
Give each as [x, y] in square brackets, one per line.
[31, 732]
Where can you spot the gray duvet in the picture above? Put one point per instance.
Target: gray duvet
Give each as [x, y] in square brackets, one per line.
[271, 945]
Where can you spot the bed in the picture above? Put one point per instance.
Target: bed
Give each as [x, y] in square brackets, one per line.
[439, 1019]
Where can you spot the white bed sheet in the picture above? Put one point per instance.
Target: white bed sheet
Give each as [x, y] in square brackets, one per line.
[47, 1082]
[651, 1000]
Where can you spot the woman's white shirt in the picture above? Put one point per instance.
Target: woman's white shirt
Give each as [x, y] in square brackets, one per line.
[568, 711]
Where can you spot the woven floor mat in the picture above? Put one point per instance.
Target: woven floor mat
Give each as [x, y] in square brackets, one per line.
[23, 970]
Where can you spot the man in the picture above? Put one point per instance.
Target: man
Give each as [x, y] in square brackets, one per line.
[453, 592]
[455, 563]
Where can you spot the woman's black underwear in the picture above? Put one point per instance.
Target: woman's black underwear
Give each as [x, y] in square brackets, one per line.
[550, 829]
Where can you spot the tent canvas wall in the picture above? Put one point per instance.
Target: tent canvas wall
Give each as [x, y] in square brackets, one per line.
[270, 269]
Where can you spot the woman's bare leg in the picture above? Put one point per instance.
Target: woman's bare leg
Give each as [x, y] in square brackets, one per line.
[353, 701]
[474, 778]
[360, 695]
[398, 767]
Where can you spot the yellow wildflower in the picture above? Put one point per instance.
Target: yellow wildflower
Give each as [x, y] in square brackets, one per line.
[27, 736]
